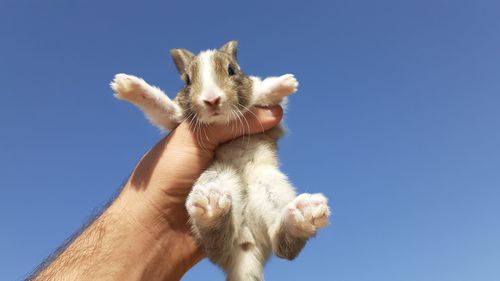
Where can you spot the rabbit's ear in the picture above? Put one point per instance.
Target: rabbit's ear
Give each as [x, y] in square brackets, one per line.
[182, 58]
[230, 47]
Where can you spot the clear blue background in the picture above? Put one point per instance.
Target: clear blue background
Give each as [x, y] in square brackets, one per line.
[397, 121]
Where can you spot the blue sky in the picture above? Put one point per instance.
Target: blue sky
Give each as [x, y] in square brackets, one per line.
[397, 121]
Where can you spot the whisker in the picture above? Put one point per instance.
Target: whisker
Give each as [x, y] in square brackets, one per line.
[242, 118]
[246, 108]
[238, 115]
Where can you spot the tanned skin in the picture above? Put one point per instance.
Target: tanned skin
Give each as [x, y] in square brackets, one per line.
[143, 234]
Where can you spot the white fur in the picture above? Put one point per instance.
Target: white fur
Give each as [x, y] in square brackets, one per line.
[209, 88]
[212, 199]
[155, 104]
[306, 213]
[273, 89]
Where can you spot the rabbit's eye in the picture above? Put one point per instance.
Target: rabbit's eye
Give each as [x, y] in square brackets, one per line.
[230, 70]
[187, 79]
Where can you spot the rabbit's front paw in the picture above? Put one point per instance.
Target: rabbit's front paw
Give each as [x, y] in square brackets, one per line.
[307, 213]
[130, 88]
[281, 86]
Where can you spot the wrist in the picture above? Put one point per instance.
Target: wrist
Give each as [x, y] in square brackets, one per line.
[161, 249]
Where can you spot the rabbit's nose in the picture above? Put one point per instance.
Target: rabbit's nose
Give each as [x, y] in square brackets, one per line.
[212, 102]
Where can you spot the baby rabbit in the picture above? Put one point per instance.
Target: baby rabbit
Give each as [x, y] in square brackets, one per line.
[242, 207]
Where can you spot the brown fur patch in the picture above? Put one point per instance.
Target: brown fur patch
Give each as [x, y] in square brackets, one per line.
[237, 87]
[246, 246]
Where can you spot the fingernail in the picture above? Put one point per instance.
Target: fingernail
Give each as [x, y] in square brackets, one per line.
[270, 112]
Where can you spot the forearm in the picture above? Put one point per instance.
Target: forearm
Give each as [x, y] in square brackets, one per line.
[143, 234]
[127, 242]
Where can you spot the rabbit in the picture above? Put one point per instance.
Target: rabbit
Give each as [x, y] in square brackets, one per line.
[242, 208]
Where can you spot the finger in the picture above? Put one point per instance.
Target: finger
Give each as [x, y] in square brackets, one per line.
[257, 120]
